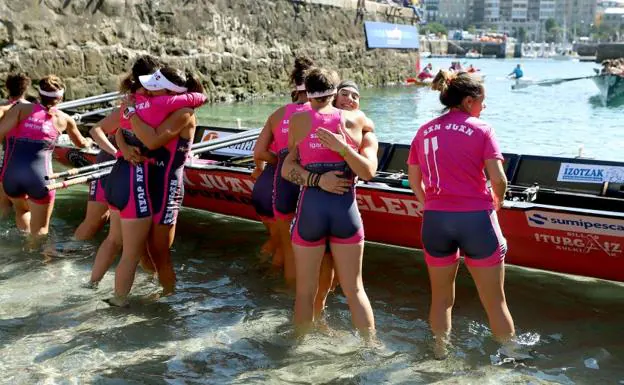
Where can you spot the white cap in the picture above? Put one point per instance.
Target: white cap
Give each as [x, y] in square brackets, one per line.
[157, 81]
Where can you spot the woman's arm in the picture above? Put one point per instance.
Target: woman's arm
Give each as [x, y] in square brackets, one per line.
[414, 175]
[295, 173]
[74, 134]
[261, 151]
[363, 163]
[130, 153]
[10, 120]
[108, 125]
[498, 180]
[153, 138]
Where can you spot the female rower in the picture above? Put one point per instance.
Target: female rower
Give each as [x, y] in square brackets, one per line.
[446, 163]
[348, 99]
[101, 133]
[97, 208]
[16, 84]
[142, 200]
[262, 200]
[327, 152]
[32, 130]
[285, 193]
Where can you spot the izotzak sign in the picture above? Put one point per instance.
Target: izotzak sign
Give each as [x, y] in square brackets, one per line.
[590, 173]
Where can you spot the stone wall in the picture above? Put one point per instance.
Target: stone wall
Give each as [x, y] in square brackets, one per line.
[240, 49]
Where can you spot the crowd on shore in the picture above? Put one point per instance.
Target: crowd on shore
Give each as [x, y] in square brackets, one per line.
[308, 156]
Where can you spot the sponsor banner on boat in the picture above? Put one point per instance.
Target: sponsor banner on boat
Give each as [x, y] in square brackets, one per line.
[241, 149]
[580, 243]
[576, 223]
[590, 173]
[388, 204]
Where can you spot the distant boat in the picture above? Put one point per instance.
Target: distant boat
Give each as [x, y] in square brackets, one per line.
[610, 86]
[473, 55]
[567, 55]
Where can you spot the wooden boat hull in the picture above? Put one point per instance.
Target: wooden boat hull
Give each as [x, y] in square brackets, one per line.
[542, 236]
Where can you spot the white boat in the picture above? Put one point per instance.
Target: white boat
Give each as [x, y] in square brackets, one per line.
[610, 86]
[566, 55]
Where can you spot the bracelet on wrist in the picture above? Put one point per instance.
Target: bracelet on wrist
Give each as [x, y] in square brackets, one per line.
[343, 151]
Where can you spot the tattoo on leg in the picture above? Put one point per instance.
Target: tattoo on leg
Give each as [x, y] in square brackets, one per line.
[296, 177]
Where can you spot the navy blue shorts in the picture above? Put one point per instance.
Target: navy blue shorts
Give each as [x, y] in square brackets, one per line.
[285, 193]
[475, 233]
[262, 194]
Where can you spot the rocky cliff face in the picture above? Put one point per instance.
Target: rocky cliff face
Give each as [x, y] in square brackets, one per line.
[239, 48]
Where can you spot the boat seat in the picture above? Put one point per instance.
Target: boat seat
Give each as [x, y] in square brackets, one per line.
[613, 190]
[544, 172]
[397, 159]
[382, 154]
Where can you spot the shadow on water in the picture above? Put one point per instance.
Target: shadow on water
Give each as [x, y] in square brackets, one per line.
[596, 102]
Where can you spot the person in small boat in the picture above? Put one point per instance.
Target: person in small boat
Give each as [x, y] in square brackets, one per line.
[17, 85]
[148, 195]
[327, 151]
[32, 131]
[426, 73]
[285, 193]
[471, 69]
[456, 66]
[517, 73]
[459, 208]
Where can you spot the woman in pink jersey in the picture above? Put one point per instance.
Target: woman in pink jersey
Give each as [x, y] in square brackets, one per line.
[16, 85]
[142, 201]
[347, 98]
[327, 152]
[446, 172]
[32, 130]
[285, 193]
[97, 208]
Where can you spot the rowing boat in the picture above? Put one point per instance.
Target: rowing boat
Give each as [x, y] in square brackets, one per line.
[611, 87]
[561, 214]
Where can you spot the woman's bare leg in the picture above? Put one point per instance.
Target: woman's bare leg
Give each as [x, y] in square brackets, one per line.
[348, 265]
[95, 218]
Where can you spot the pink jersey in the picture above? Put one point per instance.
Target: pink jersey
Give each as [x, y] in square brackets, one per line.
[153, 110]
[310, 148]
[37, 126]
[280, 134]
[451, 151]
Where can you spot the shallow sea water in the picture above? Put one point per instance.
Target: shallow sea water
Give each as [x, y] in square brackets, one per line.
[229, 322]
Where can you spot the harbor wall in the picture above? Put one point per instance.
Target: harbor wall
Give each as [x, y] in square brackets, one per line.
[240, 49]
[609, 51]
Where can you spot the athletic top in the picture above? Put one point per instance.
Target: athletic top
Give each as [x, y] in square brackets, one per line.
[280, 133]
[153, 110]
[451, 151]
[38, 126]
[311, 151]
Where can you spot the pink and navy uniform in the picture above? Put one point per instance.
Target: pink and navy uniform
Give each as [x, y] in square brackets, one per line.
[98, 186]
[321, 215]
[3, 158]
[285, 193]
[130, 191]
[459, 210]
[166, 186]
[262, 194]
[28, 157]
